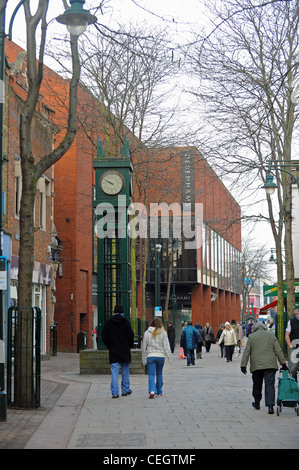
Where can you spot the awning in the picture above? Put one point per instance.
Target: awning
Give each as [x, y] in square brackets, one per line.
[267, 307]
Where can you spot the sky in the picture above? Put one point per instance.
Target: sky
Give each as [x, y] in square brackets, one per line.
[181, 16]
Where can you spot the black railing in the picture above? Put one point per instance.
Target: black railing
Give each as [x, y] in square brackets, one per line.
[24, 357]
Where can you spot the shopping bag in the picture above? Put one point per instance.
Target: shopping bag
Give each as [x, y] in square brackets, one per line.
[181, 353]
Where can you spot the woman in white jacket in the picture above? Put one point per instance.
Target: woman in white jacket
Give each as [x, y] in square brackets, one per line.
[228, 336]
[155, 347]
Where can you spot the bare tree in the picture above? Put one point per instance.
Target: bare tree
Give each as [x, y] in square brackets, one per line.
[246, 72]
[32, 169]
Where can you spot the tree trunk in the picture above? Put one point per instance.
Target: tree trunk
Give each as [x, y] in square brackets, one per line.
[24, 392]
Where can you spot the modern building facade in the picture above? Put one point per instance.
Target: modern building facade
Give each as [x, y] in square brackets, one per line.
[203, 251]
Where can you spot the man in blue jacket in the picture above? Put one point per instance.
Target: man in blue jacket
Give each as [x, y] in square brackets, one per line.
[189, 341]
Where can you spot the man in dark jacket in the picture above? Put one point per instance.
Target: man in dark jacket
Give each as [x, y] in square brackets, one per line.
[263, 350]
[118, 336]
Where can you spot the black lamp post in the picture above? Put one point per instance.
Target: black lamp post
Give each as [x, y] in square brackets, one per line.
[76, 19]
[3, 397]
[158, 248]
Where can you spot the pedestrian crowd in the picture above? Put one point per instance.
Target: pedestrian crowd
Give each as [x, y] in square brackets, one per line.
[262, 351]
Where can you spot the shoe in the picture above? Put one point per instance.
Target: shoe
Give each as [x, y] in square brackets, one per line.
[160, 395]
[270, 410]
[115, 396]
[127, 393]
[256, 405]
[152, 395]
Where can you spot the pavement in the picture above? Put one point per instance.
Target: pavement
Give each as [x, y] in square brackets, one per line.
[205, 406]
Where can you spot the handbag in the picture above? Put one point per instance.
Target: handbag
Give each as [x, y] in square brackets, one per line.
[213, 341]
[200, 340]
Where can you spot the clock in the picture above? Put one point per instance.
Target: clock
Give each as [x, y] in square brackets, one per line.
[111, 183]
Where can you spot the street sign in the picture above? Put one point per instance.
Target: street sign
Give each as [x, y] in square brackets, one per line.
[271, 291]
[158, 311]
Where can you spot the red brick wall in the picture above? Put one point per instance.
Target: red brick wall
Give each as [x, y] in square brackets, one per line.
[41, 143]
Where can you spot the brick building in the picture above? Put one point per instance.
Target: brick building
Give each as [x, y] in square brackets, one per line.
[205, 277]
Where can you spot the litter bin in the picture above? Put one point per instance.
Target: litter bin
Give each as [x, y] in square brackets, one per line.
[81, 341]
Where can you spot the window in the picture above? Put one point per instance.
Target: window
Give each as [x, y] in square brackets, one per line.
[43, 186]
[18, 186]
[17, 195]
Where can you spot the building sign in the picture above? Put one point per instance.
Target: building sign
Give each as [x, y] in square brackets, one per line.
[187, 179]
[41, 271]
[158, 311]
[271, 291]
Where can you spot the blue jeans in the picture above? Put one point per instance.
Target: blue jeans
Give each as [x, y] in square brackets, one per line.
[190, 356]
[155, 378]
[125, 378]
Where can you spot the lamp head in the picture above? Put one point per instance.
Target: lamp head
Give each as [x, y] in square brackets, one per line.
[76, 18]
[269, 186]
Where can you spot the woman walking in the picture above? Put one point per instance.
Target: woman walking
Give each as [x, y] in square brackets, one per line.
[155, 347]
[209, 335]
[219, 333]
[229, 337]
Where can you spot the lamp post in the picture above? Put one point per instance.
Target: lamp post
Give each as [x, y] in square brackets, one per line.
[158, 249]
[290, 176]
[3, 396]
[175, 248]
[76, 19]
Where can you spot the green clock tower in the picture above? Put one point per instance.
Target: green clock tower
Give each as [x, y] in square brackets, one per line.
[113, 192]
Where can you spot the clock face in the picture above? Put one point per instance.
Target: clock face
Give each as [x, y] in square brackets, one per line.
[111, 183]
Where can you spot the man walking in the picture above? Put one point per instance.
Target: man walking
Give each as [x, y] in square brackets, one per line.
[263, 350]
[118, 336]
[189, 341]
[292, 340]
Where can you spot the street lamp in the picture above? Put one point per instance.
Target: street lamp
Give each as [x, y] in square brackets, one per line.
[158, 249]
[272, 258]
[76, 18]
[270, 186]
[175, 247]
